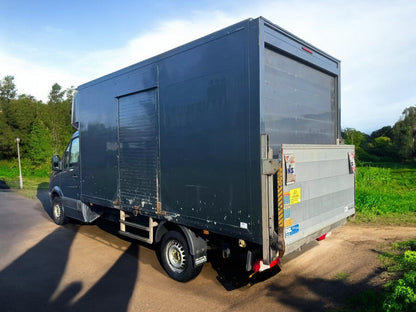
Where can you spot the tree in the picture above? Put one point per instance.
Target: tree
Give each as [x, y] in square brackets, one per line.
[40, 147]
[7, 89]
[26, 96]
[355, 137]
[59, 122]
[43, 129]
[20, 115]
[56, 95]
[386, 131]
[360, 140]
[69, 94]
[7, 139]
[382, 146]
[404, 134]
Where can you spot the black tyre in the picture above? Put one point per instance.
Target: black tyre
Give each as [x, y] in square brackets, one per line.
[58, 214]
[176, 259]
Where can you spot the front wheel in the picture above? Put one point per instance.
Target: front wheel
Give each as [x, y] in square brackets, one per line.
[176, 259]
[58, 213]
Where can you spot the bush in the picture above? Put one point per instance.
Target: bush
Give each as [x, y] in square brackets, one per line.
[403, 297]
[401, 293]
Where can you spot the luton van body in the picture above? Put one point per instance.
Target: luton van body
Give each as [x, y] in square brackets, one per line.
[230, 141]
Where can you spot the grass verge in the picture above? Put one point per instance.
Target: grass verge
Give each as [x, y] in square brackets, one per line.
[34, 178]
[386, 196]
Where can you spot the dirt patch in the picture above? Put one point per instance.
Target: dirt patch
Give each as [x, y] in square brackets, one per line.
[324, 274]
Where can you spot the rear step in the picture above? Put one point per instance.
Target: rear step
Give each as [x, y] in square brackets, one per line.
[146, 228]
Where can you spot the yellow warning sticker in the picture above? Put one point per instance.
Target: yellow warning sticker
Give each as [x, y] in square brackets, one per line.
[288, 222]
[295, 196]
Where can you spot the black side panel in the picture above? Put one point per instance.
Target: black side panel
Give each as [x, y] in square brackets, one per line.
[206, 121]
[138, 150]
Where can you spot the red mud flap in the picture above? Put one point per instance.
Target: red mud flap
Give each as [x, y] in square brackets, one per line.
[263, 272]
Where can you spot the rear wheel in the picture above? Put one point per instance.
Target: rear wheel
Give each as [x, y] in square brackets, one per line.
[58, 213]
[176, 259]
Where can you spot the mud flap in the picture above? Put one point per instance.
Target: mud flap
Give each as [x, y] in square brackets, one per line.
[88, 214]
[258, 277]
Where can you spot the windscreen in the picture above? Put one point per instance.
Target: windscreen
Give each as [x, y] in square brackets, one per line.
[298, 103]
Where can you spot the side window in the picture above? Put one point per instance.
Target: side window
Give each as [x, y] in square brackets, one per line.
[74, 156]
[65, 158]
[71, 154]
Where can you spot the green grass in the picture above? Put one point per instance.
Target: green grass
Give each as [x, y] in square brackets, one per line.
[342, 276]
[386, 195]
[34, 177]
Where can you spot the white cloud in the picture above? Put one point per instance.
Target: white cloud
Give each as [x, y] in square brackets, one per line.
[74, 69]
[166, 36]
[34, 79]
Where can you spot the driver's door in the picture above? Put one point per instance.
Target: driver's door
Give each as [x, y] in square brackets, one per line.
[70, 175]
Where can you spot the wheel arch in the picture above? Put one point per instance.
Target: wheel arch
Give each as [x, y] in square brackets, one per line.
[197, 244]
[55, 192]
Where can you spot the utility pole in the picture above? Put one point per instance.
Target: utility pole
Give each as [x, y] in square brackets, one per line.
[20, 167]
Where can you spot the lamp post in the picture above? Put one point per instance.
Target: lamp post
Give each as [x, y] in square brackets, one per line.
[20, 167]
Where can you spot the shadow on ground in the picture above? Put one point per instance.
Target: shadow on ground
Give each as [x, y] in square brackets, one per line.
[42, 195]
[323, 294]
[30, 282]
[231, 274]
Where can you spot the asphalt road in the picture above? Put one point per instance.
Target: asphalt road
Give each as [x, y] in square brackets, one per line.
[78, 267]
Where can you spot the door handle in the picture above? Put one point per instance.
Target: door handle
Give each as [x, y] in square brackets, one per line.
[74, 173]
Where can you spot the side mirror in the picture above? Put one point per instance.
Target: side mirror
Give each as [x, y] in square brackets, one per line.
[56, 163]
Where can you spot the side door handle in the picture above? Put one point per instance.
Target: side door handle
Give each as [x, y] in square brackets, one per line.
[74, 173]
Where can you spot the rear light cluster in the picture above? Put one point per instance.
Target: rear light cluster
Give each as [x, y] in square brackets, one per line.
[259, 266]
[322, 237]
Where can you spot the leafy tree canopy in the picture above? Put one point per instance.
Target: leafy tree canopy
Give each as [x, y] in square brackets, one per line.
[40, 143]
[355, 137]
[8, 89]
[404, 134]
[397, 143]
[43, 129]
[56, 95]
[386, 131]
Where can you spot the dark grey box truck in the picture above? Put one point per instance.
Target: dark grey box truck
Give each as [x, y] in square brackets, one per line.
[231, 141]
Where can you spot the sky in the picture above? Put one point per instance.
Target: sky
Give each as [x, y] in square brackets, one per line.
[73, 42]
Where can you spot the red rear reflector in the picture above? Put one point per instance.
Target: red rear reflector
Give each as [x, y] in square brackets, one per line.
[307, 50]
[256, 266]
[260, 266]
[321, 237]
[275, 262]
